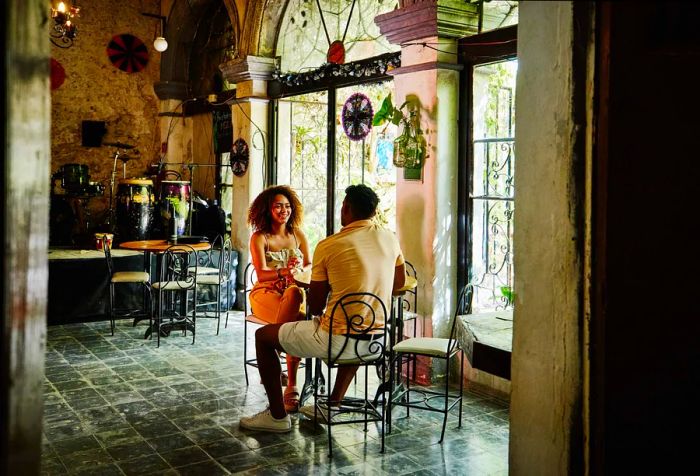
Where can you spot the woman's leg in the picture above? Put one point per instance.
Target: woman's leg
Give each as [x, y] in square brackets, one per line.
[289, 311]
[276, 308]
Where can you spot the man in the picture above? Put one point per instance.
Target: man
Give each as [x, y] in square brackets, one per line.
[361, 257]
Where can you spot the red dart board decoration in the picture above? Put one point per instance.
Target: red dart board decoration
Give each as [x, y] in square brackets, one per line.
[240, 155]
[357, 116]
[127, 53]
[58, 74]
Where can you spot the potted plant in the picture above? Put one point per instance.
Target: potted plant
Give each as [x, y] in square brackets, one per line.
[409, 146]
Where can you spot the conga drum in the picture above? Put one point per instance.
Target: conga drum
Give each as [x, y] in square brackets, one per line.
[135, 205]
[174, 206]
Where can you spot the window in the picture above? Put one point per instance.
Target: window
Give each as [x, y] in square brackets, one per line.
[303, 148]
[303, 44]
[493, 184]
[487, 168]
[310, 150]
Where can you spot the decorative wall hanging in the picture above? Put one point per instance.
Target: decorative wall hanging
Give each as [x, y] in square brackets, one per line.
[240, 156]
[357, 116]
[127, 53]
[409, 146]
[58, 74]
[336, 49]
[360, 69]
[336, 53]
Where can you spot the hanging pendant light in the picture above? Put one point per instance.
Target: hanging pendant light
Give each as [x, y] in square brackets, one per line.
[160, 44]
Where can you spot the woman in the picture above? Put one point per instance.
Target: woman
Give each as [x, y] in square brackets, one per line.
[279, 249]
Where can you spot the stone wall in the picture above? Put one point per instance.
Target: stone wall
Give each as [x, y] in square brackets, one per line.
[95, 90]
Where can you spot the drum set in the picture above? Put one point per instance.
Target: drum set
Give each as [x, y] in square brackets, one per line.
[71, 184]
[142, 207]
[141, 215]
[74, 179]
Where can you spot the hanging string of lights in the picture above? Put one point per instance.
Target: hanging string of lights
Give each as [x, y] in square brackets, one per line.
[365, 68]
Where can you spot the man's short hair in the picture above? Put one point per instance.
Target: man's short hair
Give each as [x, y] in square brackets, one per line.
[362, 200]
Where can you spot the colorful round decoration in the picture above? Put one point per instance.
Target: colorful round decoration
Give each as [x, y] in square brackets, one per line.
[357, 116]
[336, 53]
[240, 155]
[127, 53]
[58, 74]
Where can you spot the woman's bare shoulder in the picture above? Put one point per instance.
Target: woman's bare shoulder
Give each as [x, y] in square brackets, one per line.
[257, 237]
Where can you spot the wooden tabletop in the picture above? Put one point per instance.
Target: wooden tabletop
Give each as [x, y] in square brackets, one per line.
[158, 246]
[64, 254]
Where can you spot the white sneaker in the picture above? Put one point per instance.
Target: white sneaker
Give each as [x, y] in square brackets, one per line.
[308, 411]
[264, 421]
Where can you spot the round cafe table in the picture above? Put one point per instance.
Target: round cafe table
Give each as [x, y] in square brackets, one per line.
[158, 247]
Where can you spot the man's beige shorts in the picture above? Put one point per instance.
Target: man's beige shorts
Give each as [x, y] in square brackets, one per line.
[307, 339]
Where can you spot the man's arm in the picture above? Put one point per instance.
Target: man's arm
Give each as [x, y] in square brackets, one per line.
[318, 295]
[399, 277]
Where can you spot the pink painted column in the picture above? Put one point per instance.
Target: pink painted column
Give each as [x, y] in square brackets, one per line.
[427, 207]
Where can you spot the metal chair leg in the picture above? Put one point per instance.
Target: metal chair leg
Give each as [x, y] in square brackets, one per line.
[461, 387]
[111, 307]
[447, 390]
[245, 351]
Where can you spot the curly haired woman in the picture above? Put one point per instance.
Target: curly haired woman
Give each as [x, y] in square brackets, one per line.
[279, 249]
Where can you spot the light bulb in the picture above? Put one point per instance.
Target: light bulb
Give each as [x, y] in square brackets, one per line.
[160, 44]
[61, 7]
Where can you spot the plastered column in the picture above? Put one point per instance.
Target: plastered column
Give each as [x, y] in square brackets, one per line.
[426, 208]
[249, 113]
[547, 352]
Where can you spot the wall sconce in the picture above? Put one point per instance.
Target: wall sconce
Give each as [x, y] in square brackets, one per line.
[160, 44]
[64, 30]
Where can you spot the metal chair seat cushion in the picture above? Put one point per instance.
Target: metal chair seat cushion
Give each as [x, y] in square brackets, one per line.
[211, 279]
[205, 270]
[130, 277]
[409, 315]
[173, 285]
[432, 346]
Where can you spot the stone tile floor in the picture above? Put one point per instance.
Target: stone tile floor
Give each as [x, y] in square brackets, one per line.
[119, 405]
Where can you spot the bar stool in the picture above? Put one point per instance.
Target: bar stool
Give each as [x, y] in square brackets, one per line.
[140, 278]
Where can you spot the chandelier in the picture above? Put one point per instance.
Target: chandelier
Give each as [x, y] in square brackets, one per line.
[64, 30]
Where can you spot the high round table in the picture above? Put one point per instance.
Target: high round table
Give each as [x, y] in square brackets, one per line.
[158, 247]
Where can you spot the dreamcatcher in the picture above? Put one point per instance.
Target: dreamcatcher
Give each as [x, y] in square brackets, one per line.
[357, 116]
[240, 156]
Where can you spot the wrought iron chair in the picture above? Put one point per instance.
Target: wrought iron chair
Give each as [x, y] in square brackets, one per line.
[177, 277]
[223, 265]
[410, 313]
[363, 343]
[422, 398]
[207, 261]
[249, 280]
[140, 278]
